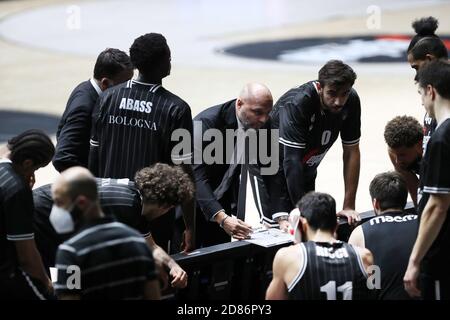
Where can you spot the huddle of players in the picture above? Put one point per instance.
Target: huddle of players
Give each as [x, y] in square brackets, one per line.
[408, 252]
[322, 267]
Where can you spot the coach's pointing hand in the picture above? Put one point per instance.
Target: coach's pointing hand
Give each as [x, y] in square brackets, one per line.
[235, 227]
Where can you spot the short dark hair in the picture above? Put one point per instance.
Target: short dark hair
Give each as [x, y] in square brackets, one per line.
[163, 184]
[390, 190]
[150, 54]
[336, 73]
[429, 45]
[110, 63]
[424, 27]
[34, 145]
[319, 209]
[437, 74]
[403, 131]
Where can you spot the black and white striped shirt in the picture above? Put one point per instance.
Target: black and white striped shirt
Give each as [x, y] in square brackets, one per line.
[132, 128]
[113, 260]
[16, 214]
[329, 271]
[118, 198]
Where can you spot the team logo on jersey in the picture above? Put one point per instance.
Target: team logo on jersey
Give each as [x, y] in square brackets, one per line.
[313, 159]
[387, 219]
[364, 49]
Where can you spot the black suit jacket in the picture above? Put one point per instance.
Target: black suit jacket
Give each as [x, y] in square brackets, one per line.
[208, 177]
[74, 129]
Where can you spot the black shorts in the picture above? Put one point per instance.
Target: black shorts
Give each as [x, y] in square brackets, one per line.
[18, 285]
[434, 289]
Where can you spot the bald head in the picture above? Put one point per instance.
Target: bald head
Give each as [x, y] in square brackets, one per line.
[254, 105]
[74, 182]
[256, 93]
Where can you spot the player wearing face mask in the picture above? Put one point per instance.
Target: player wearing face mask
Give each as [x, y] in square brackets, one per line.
[113, 261]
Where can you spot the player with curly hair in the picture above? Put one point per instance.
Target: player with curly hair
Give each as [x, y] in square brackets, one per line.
[404, 135]
[162, 187]
[157, 189]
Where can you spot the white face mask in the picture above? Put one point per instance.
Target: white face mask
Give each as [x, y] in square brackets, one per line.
[61, 220]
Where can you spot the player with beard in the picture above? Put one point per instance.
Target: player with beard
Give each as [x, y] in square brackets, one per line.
[310, 118]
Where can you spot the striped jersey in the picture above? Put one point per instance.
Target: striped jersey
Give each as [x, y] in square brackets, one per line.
[303, 123]
[330, 271]
[118, 198]
[132, 128]
[16, 214]
[111, 261]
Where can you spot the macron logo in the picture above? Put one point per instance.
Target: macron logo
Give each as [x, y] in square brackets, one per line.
[388, 219]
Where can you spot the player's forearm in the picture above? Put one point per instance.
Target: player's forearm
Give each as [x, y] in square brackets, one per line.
[351, 159]
[162, 257]
[32, 264]
[431, 221]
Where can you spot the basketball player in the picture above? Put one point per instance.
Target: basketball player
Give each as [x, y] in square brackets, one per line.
[430, 255]
[322, 268]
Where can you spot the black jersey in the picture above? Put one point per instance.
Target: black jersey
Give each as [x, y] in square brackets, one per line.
[389, 235]
[133, 124]
[16, 215]
[303, 124]
[118, 197]
[429, 126]
[330, 271]
[435, 179]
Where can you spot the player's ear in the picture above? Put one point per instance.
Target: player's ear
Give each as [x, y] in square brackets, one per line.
[238, 103]
[303, 226]
[432, 92]
[376, 205]
[27, 164]
[105, 83]
[429, 57]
